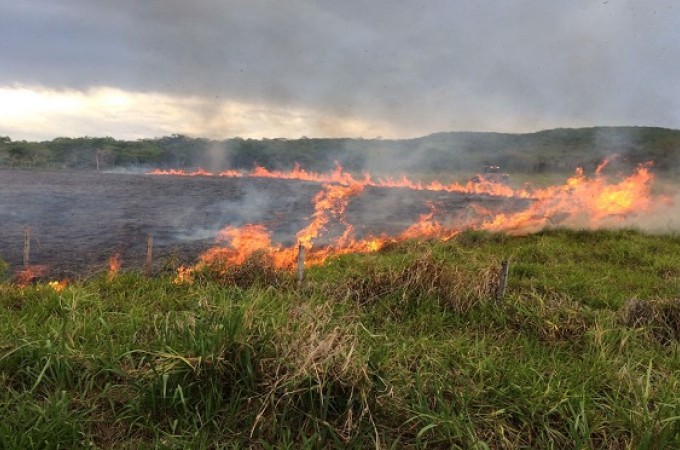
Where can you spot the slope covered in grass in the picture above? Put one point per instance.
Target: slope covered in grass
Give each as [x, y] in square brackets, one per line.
[406, 348]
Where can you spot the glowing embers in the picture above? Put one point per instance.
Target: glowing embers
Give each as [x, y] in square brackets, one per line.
[30, 274]
[58, 286]
[114, 265]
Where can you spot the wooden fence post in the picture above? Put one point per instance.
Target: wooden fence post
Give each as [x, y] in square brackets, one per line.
[148, 264]
[300, 264]
[27, 246]
[503, 279]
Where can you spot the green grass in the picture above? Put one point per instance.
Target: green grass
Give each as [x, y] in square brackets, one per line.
[406, 348]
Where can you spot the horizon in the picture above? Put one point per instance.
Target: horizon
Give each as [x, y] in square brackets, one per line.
[379, 138]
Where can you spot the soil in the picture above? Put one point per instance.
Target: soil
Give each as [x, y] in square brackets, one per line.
[78, 220]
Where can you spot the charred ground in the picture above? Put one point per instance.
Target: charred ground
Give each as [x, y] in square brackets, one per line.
[78, 220]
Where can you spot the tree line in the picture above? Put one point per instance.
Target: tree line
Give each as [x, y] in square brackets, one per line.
[557, 150]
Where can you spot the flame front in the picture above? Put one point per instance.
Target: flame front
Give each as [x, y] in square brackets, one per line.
[483, 185]
[598, 201]
[582, 202]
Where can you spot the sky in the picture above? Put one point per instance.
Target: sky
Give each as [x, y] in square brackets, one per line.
[135, 69]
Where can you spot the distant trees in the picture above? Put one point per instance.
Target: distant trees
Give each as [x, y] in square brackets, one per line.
[559, 150]
[25, 153]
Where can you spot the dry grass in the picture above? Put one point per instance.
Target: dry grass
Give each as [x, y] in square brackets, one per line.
[258, 270]
[425, 277]
[318, 373]
[660, 318]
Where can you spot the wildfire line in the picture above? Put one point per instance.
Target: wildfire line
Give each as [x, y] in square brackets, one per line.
[581, 201]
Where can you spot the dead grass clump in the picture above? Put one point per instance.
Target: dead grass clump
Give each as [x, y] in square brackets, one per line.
[258, 269]
[425, 277]
[661, 318]
[318, 369]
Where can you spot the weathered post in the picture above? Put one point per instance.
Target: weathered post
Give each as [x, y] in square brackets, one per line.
[27, 246]
[503, 279]
[300, 264]
[148, 264]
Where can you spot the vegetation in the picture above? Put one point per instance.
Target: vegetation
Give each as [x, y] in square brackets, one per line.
[407, 348]
[549, 151]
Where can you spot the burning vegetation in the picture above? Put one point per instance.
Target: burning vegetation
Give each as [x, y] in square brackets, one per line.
[595, 201]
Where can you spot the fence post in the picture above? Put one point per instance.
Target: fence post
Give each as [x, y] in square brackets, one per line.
[300, 264]
[148, 264]
[27, 246]
[503, 279]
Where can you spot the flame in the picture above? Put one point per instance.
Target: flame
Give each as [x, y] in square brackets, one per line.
[428, 227]
[114, 265]
[605, 162]
[482, 185]
[58, 286]
[582, 202]
[29, 274]
[596, 201]
[181, 173]
[331, 201]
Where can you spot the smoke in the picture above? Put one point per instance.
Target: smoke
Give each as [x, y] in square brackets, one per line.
[663, 219]
[217, 157]
[139, 169]
[282, 206]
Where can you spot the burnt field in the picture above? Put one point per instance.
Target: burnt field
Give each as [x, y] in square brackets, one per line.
[79, 220]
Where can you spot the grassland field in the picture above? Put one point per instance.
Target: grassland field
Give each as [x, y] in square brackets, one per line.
[405, 348]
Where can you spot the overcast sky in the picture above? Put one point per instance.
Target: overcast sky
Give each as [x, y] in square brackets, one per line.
[286, 68]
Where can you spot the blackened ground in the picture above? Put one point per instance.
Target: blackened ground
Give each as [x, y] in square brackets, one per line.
[79, 220]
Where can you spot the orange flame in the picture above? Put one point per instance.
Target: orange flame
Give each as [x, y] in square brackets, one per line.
[114, 265]
[27, 275]
[331, 201]
[58, 286]
[584, 202]
[483, 185]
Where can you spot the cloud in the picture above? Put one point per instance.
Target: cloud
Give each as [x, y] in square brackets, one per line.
[417, 66]
[40, 114]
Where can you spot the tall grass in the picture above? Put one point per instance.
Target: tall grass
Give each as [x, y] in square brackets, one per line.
[403, 349]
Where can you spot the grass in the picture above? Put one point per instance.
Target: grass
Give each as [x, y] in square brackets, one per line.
[402, 349]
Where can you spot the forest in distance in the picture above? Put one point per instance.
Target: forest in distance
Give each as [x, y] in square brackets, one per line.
[549, 151]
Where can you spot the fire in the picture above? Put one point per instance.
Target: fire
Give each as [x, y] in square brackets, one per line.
[484, 185]
[428, 227]
[58, 286]
[332, 200]
[582, 201]
[181, 173]
[114, 265]
[29, 274]
[245, 241]
[235, 246]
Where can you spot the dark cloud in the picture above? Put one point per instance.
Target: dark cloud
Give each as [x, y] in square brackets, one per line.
[420, 65]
